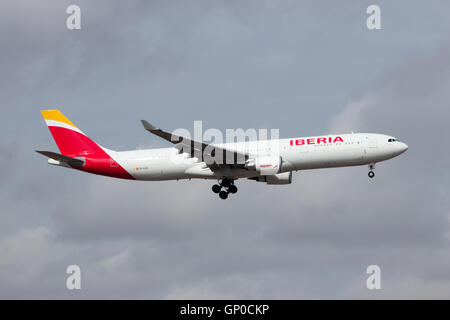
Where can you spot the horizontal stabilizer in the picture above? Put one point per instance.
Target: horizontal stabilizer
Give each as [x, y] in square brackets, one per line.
[74, 162]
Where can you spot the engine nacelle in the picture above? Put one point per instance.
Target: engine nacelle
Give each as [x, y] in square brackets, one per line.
[281, 178]
[266, 165]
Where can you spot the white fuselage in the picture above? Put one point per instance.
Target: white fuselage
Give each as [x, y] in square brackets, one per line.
[296, 154]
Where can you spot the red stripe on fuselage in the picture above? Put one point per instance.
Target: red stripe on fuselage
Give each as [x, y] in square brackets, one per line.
[75, 144]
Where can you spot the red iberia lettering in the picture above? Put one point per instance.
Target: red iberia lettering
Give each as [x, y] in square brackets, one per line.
[301, 142]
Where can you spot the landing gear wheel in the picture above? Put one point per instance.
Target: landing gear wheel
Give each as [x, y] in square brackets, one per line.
[232, 189]
[226, 183]
[371, 174]
[223, 195]
[216, 188]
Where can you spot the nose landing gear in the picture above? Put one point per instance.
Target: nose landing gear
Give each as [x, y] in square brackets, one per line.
[371, 174]
[228, 186]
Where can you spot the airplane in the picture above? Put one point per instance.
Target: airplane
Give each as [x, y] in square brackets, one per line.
[262, 161]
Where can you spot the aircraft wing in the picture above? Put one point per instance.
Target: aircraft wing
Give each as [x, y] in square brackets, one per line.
[214, 156]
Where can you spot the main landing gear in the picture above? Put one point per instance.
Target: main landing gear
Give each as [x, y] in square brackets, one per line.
[371, 173]
[227, 185]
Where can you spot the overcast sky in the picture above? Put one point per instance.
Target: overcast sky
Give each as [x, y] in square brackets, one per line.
[304, 67]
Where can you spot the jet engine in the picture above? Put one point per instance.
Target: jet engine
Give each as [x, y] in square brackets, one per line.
[281, 178]
[265, 165]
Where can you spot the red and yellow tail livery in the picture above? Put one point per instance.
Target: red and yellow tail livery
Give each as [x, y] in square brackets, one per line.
[73, 143]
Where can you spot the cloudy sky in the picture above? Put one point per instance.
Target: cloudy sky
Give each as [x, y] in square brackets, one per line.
[305, 67]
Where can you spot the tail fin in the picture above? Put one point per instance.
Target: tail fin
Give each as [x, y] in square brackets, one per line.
[70, 140]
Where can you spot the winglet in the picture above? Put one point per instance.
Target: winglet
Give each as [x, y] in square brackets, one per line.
[148, 126]
[161, 133]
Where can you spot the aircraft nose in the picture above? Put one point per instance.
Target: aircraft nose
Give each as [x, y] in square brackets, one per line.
[403, 147]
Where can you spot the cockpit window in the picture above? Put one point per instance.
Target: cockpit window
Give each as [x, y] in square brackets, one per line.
[392, 140]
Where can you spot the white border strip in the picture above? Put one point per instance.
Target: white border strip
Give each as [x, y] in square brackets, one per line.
[54, 123]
